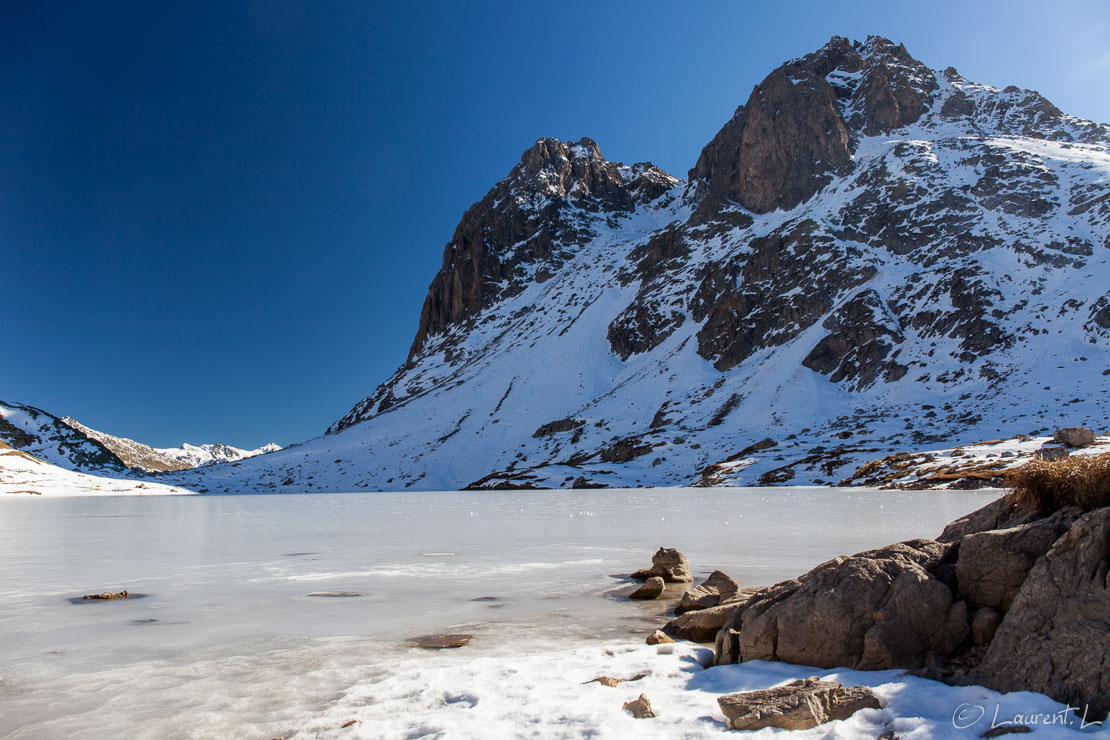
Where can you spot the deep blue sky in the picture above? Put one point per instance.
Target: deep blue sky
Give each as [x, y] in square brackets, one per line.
[218, 221]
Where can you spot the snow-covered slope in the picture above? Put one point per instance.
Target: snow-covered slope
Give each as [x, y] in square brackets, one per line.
[967, 466]
[52, 439]
[26, 475]
[194, 456]
[871, 256]
[69, 444]
[133, 454]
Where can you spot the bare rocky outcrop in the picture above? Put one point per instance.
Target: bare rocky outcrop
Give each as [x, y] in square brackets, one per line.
[767, 296]
[992, 565]
[863, 335]
[799, 705]
[998, 514]
[527, 225]
[717, 588]
[701, 625]
[875, 610]
[1013, 599]
[669, 564]
[558, 427]
[625, 450]
[1074, 436]
[1055, 638]
[796, 131]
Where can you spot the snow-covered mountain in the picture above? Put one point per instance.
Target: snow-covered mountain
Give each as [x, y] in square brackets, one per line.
[194, 456]
[51, 439]
[23, 474]
[131, 453]
[870, 256]
[69, 444]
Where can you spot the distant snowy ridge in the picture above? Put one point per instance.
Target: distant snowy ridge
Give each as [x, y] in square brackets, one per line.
[870, 257]
[131, 453]
[194, 456]
[49, 438]
[69, 444]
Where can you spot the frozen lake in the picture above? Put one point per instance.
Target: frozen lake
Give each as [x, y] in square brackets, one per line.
[226, 640]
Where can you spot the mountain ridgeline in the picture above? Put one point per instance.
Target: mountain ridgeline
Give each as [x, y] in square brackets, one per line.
[69, 444]
[870, 256]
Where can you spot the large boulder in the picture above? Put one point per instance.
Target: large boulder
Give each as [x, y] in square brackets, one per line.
[716, 589]
[798, 705]
[1055, 639]
[669, 564]
[652, 589]
[998, 514]
[1074, 436]
[992, 565]
[875, 610]
[701, 625]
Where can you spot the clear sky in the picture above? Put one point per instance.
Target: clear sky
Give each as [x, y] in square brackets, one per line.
[218, 220]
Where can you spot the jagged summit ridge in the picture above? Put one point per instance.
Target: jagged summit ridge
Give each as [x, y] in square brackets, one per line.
[529, 224]
[927, 263]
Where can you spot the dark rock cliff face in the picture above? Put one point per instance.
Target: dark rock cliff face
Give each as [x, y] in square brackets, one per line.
[768, 296]
[796, 131]
[528, 225]
[863, 336]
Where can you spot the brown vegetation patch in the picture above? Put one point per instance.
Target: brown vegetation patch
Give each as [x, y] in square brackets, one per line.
[1048, 485]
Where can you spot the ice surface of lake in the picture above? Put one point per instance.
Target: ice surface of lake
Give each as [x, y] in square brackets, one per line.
[226, 641]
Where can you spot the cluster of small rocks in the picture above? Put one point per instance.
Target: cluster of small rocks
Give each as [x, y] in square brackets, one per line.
[701, 612]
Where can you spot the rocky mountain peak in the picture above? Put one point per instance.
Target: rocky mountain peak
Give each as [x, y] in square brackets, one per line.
[529, 224]
[871, 256]
[798, 128]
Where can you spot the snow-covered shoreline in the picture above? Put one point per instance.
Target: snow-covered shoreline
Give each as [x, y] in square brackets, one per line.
[547, 694]
[25, 475]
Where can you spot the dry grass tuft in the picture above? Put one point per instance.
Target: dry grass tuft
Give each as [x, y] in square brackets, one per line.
[1048, 485]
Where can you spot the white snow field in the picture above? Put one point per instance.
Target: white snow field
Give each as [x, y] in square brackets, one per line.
[221, 637]
[22, 474]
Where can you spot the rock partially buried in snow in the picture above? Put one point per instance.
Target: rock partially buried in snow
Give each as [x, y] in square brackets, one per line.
[799, 705]
[106, 596]
[652, 589]
[669, 564]
[611, 682]
[640, 708]
[658, 637]
[1074, 436]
